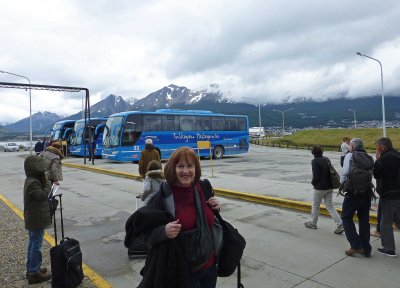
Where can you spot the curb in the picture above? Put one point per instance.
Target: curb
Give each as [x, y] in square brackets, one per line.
[96, 279]
[254, 198]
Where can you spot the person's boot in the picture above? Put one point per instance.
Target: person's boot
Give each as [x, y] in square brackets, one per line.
[38, 277]
[42, 270]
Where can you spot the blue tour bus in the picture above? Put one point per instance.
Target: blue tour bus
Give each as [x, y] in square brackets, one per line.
[61, 130]
[77, 138]
[126, 132]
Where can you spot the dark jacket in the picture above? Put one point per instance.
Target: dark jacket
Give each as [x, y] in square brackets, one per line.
[386, 173]
[321, 175]
[166, 264]
[36, 190]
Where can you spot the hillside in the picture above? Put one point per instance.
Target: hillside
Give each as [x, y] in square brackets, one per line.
[333, 137]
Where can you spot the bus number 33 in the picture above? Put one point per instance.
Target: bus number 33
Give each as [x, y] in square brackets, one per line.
[136, 148]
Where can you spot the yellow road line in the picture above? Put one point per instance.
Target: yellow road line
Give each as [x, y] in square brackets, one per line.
[96, 279]
[256, 198]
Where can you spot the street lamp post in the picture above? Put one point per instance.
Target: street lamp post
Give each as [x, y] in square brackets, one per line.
[30, 108]
[283, 118]
[355, 120]
[383, 97]
[259, 113]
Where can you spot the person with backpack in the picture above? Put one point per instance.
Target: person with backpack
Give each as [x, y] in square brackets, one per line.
[323, 189]
[387, 174]
[357, 188]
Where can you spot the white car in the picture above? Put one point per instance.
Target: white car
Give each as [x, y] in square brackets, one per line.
[11, 147]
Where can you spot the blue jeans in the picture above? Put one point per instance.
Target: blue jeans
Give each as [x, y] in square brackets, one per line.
[361, 205]
[34, 257]
[205, 278]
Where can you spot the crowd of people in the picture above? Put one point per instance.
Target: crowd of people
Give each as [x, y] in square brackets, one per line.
[178, 217]
[358, 170]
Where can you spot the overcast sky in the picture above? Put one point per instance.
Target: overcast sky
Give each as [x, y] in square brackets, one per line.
[272, 51]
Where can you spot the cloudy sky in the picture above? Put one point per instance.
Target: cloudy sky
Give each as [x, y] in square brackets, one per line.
[272, 51]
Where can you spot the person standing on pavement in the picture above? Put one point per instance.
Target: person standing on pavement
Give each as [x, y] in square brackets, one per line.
[357, 198]
[36, 216]
[323, 189]
[39, 147]
[386, 172]
[344, 148]
[148, 154]
[53, 156]
[154, 177]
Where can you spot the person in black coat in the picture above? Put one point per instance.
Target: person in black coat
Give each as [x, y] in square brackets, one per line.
[386, 172]
[322, 190]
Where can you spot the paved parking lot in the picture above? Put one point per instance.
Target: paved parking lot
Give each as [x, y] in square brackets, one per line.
[280, 252]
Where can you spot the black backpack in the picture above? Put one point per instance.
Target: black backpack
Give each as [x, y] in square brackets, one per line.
[360, 175]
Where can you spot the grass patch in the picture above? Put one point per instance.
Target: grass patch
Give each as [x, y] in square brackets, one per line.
[332, 138]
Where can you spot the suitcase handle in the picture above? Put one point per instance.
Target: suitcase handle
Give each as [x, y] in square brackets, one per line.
[62, 220]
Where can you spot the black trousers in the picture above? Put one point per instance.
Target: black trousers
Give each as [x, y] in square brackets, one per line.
[361, 205]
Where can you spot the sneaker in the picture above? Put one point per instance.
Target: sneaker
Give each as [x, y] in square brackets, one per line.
[42, 270]
[339, 229]
[352, 251]
[310, 225]
[38, 277]
[387, 253]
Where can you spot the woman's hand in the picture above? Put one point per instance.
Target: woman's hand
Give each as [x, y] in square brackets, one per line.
[172, 229]
[213, 203]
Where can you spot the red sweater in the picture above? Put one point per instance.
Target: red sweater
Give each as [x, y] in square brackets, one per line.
[185, 211]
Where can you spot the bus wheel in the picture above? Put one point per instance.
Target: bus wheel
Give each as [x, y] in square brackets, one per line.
[218, 152]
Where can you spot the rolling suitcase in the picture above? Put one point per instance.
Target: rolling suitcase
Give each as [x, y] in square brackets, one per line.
[138, 249]
[66, 257]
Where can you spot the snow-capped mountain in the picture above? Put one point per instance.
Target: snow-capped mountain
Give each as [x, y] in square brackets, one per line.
[172, 94]
[40, 122]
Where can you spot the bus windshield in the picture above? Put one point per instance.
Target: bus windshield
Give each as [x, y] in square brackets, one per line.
[79, 127]
[57, 131]
[112, 131]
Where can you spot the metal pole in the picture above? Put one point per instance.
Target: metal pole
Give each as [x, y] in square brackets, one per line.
[259, 117]
[30, 108]
[355, 120]
[383, 97]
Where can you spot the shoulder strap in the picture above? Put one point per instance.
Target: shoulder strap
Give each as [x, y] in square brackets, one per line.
[207, 189]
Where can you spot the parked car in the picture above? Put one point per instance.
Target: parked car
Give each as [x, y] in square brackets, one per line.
[10, 147]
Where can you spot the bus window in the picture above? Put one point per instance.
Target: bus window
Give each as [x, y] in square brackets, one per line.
[218, 123]
[203, 123]
[188, 123]
[231, 124]
[242, 125]
[151, 122]
[170, 123]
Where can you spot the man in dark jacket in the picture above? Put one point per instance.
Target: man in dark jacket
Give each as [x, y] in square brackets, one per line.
[322, 190]
[148, 154]
[36, 216]
[357, 202]
[386, 171]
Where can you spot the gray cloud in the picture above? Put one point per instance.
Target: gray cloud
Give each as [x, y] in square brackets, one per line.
[270, 50]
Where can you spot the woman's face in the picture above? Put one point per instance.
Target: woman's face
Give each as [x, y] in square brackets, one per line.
[185, 172]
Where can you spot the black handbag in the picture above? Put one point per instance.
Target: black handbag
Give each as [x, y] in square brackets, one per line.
[232, 248]
[199, 242]
[233, 242]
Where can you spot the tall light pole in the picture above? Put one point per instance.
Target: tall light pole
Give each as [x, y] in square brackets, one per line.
[259, 113]
[30, 108]
[283, 118]
[355, 120]
[383, 97]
